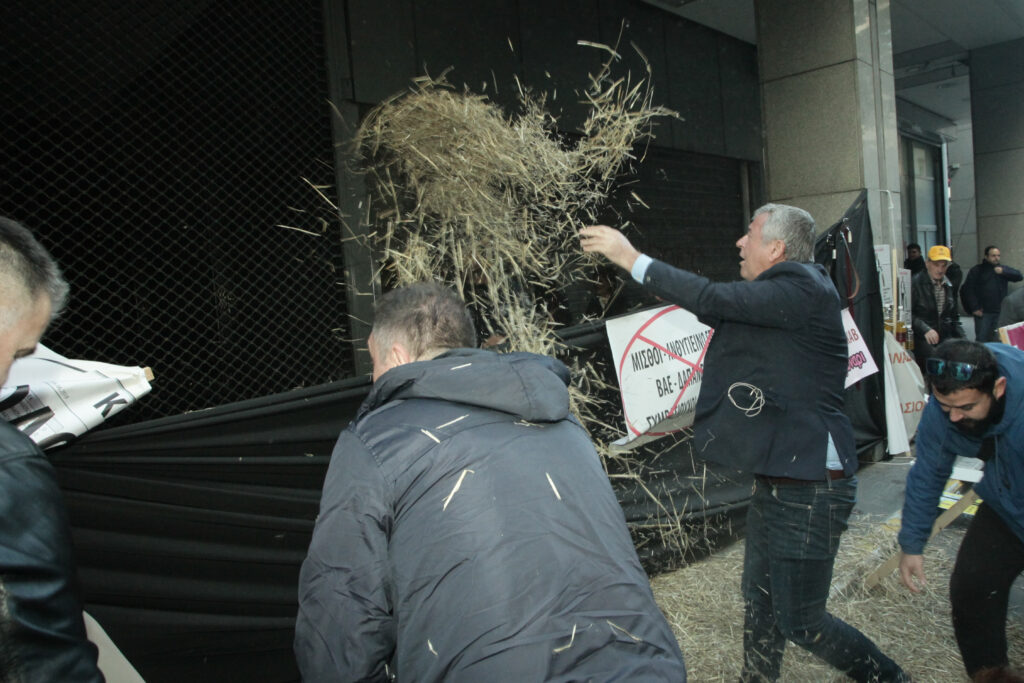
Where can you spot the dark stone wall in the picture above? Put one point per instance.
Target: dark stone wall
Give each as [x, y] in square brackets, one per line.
[708, 77]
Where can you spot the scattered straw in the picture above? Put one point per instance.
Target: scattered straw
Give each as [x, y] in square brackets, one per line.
[553, 487]
[565, 647]
[703, 604]
[458, 485]
[451, 422]
[619, 628]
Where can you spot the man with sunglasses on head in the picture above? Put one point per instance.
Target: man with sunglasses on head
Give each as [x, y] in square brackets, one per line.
[976, 410]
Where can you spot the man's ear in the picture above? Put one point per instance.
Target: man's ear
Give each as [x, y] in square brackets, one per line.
[398, 354]
[777, 251]
[1000, 388]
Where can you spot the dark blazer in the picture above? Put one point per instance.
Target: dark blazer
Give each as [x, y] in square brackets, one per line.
[783, 334]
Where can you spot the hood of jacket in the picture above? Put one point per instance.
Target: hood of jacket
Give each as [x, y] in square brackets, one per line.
[1011, 366]
[526, 385]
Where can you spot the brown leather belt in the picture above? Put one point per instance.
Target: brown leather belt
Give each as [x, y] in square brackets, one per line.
[788, 481]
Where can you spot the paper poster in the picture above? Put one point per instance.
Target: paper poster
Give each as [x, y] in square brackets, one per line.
[860, 363]
[883, 261]
[903, 293]
[53, 399]
[659, 362]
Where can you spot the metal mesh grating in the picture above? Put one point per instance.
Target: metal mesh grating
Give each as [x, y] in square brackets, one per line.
[155, 148]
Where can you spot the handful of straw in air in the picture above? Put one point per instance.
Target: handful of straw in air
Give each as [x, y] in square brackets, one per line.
[491, 204]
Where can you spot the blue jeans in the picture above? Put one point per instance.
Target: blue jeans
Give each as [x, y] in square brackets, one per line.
[793, 534]
[985, 327]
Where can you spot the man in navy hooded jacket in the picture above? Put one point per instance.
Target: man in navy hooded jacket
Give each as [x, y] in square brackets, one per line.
[984, 290]
[467, 530]
[771, 403]
[976, 410]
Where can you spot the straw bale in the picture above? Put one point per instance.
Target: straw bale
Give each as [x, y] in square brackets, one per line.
[702, 602]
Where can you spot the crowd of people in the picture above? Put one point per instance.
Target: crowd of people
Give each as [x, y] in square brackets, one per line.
[468, 531]
[937, 285]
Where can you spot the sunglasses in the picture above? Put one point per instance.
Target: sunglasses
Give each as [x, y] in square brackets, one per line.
[961, 372]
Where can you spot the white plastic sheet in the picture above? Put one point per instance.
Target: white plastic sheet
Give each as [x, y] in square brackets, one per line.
[53, 399]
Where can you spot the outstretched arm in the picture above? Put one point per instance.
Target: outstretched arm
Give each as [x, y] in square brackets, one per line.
[610, 243]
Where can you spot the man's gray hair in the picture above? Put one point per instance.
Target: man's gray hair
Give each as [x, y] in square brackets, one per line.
[794, 226]
[27, 270]
[426, 317]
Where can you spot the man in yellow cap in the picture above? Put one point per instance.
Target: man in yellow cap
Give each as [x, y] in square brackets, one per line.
[933, 305]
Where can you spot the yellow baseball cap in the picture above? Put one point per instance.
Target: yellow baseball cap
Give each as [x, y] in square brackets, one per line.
[939, 253]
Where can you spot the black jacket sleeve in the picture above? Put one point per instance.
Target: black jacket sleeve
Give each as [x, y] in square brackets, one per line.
[1012, 274]
[42, 633]
[766, 301]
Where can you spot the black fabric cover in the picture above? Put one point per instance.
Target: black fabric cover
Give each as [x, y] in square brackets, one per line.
[847, 250]
[190, 530]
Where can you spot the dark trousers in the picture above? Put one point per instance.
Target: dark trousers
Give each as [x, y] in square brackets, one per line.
[793, 534]
[990, 558]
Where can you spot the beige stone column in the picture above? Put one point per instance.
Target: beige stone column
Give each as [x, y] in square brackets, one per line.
[829, 109]
[997, 112]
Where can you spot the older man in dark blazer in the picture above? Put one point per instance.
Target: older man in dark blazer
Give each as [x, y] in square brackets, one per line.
[771, 402]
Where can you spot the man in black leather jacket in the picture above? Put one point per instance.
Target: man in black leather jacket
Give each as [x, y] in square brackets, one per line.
[42, 633]
[931, 322]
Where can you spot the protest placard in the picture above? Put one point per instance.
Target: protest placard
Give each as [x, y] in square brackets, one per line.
[659, 361]
[860, 364]
[1012, 335]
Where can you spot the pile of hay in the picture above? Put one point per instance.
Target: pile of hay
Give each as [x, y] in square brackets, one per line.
[491, 204]
[703, 604]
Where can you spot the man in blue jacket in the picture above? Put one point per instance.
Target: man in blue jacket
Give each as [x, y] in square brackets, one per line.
[771, 403]
[467, 529]
[984, 290]
[976, 410]
[42, 632]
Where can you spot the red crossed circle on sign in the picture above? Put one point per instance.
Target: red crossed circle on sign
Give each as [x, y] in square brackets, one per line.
[641, 338]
